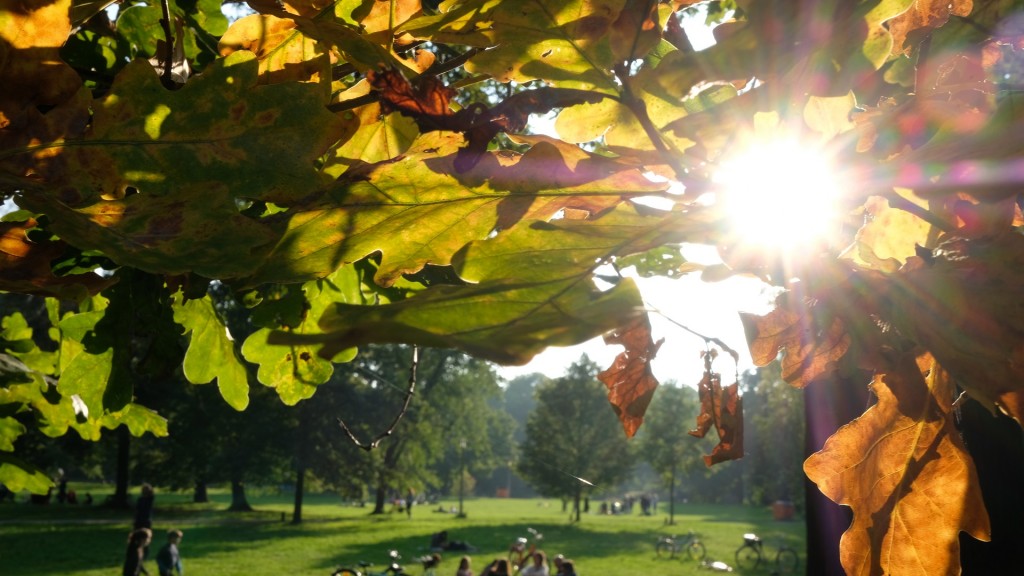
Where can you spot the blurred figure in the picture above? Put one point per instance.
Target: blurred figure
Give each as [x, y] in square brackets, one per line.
[134, 554]
[465, 568]
[538, 565]
[568, 568]
[497, 567]
[168, 559]
[144, 508]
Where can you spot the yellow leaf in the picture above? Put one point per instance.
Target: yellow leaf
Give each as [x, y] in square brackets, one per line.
[904, 471]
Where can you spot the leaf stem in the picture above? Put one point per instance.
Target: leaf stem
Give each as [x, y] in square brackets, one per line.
[165, 23]
[901, 203]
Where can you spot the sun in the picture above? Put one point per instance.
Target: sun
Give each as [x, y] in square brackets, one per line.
[779, 193]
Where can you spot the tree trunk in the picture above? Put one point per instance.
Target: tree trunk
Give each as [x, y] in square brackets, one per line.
[199, 494]
[378, 507]
[124, 446]
[300, 479]
[672, 495]
[239, 503]
[576, 501]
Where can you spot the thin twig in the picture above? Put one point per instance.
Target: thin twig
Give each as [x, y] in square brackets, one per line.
[901, 203]
[707, 339]
[398, 417]
[639, 110]
[165, 23]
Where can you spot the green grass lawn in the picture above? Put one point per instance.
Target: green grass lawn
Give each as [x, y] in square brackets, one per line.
[90, 541]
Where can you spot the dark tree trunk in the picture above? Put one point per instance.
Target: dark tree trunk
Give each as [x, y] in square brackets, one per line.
[124, 447]
[672, 495]
[239, 503]
[199, 494]
[576, 501]
[382, 491]
[300, 479]
[997, 448]
[827, 406]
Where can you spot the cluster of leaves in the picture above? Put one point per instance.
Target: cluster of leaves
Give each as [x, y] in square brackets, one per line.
[308, 157]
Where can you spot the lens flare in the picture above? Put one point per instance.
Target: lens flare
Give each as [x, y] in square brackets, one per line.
[779, 194]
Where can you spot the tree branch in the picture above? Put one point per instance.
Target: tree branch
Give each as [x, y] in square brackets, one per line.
[165, 23]
[410, 391]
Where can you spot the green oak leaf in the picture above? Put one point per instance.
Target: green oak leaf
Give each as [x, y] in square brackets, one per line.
[211, 350]
[138, 419]
[10, 429]
[296, 370]
[419, 210]
[565, 42]
[151, 156]
[465, 23]
[504, 321]
[18, 475]
[376, 138]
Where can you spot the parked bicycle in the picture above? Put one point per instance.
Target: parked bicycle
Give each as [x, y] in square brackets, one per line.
[751, 555]
[672, 545]
[393, 568]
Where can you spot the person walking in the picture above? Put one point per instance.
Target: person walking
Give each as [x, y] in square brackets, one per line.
[168, 559]
[135, 553]
[144, 508]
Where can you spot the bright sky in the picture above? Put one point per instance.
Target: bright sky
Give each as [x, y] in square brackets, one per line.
[711, 309]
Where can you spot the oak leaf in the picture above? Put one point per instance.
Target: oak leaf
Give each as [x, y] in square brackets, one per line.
[629, 379]
[904, 471]
[961, 302]
[722, 408]
[810, 350]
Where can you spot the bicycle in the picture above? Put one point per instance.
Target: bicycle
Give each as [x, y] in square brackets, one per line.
[672, 545]
[393, 569]
[751, 554]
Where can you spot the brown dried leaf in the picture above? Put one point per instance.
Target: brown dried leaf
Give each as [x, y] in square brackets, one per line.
[962, 303]
[25, 264]
[921, 15]
[723, 408]
[630, 382]
[904, 471]
[811, 351]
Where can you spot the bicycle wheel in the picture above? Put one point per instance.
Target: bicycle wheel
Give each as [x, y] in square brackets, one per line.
[786, 561]
[696, 550]
[664, 549]
[747, 558]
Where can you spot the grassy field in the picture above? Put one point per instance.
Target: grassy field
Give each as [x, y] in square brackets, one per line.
[90, 541]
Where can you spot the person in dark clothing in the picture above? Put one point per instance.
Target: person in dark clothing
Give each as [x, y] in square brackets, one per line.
[144, 508]
[138, 540]
[168, 559]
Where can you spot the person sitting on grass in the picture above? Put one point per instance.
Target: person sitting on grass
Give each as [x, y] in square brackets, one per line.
[497, 567]
[568, 568]
[538, 566]
[168, 559]
[138, 540]
[465, 569]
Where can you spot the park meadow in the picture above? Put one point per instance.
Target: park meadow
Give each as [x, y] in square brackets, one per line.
[90, 540]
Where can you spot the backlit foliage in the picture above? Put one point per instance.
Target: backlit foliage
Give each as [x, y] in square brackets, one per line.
[315, 158]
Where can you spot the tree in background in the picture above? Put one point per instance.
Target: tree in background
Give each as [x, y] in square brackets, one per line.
[774, 439]
[574, 442]
[664, 440]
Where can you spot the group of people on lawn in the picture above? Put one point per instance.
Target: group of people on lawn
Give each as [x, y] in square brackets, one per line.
[168, 559]
[536, 564]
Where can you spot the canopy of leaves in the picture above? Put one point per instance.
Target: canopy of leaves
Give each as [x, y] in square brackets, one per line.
[320, 162]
